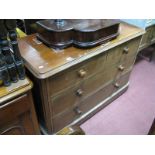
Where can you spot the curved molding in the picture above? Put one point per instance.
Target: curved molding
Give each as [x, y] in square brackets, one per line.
[83, 33]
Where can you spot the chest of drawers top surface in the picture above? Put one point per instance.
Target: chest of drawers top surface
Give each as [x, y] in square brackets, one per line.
[44, 62]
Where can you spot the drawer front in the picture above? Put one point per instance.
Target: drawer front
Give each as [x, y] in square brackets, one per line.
[131, 48]
[125, 66]
[63, 120]
[120, 82]
[96, 82]
[123, 52]
[76, 74]
[65, 101]
[77, 111]
[93, 100]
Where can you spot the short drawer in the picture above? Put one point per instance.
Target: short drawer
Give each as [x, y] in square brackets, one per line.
[76, 74]
[125, 66]
[123, 52]
[63, 120]
[130, 48]
[121, 81]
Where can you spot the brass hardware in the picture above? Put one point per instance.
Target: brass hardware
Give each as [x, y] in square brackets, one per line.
[79, 92]
[126, 50]
[117, 85]
[77, 111]
[121, 67]
[82, 73]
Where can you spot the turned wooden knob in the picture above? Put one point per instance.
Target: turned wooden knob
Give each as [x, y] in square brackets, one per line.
[79, 92]
[82, 73]
[117, 85]
[126, 50]
[121, 67]
[77, 111]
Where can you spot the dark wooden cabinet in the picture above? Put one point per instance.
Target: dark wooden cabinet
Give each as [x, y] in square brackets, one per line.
[17, 113]
[73, 84]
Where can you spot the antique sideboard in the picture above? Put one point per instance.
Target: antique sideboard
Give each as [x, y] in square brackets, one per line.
[72, 84]
[17, 113]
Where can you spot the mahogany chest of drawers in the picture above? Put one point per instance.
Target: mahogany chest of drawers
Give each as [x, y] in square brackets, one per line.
[17, 113]
[72, 84]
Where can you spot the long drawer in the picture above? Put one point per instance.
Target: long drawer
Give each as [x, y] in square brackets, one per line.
[77, 111]
[120, 82]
